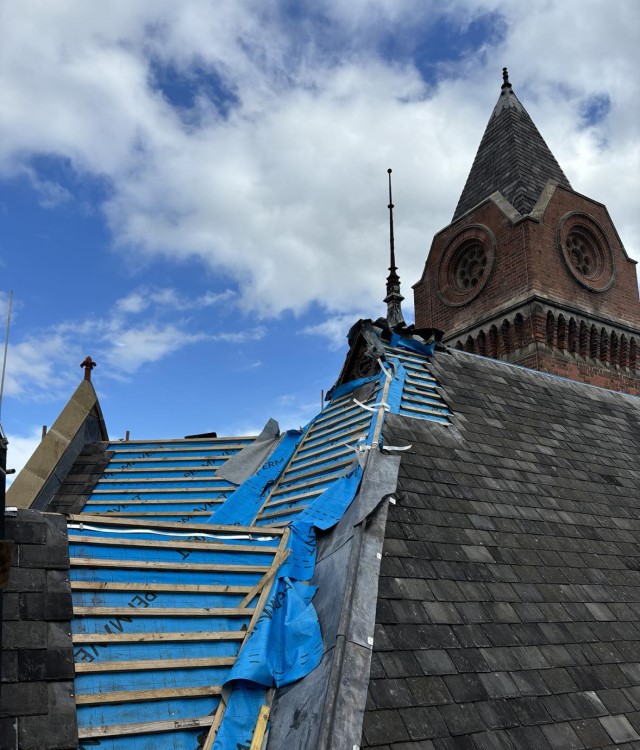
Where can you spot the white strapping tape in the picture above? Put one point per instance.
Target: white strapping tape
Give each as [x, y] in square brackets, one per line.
[112, 530]
[375, 407]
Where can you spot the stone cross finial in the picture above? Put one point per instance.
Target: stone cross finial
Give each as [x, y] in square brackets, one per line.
[88, 365]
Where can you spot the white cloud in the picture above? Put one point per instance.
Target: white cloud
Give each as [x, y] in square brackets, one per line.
[43, 365]
[333, 329]
[285, 191]
[142, 299]
[240, 337]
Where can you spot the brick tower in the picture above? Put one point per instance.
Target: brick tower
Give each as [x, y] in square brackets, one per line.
[530, 271]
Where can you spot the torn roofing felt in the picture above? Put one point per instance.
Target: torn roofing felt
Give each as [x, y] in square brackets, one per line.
[509, 595]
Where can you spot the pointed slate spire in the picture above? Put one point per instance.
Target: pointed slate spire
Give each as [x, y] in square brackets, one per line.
[512, 158]
[393, 299]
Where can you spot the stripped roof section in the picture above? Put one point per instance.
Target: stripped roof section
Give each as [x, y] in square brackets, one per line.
[513, 158]
[170, 479]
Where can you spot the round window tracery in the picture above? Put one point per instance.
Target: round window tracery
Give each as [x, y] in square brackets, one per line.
[470, 266]
[586, 251]
[465, 264]
[583, 253]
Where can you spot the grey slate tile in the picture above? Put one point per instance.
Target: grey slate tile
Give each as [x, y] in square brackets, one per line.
[435, 662]
[384, 726]
[424, 723]
[561, 736]
[462, 718]
[619, 728]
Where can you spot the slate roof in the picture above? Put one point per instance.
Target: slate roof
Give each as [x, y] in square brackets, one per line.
[513, 158]
[509, 597]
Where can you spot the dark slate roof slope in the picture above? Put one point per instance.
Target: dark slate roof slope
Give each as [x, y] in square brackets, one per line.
[512, 158]
[509, 599]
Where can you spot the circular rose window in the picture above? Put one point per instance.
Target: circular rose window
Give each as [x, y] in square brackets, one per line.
[469, 267]
[586, 251]
[465, 264]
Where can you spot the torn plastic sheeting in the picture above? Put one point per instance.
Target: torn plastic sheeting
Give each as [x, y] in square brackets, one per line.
[286, 643]
[243, 464]
[394, 394]
[404, 343]
[284, 647]
[345, 388]
[242, 506]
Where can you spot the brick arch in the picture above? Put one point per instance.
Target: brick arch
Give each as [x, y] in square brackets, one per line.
[550, 329]
[623, 356]
[505, 335]
[594, 343]
[518, 330]
[481, 342]
[604, 345]
[493, 342]
[583, 340]
[572, 336]
[561, 332]
[614, 350]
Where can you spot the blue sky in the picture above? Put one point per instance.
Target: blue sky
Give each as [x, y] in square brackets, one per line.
[194, 193]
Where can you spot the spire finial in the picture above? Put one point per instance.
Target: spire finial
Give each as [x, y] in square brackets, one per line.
[393, 299]
[88, 365]
[391, 240]
[505, 79]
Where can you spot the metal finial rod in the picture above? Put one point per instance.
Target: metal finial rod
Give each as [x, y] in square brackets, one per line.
[505, 79]
[394, 298]
[391, 239]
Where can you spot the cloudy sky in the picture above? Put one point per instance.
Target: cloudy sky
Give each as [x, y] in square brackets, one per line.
[194, 192]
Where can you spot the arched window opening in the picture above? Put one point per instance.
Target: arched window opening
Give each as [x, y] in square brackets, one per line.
[633, 362]
[470, 345]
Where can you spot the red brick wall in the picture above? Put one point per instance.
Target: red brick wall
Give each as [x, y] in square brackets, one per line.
[528, 263]
[527, 260]
[612, 379]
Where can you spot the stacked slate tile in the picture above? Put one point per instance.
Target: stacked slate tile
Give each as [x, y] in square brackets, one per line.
[37, 707]
[509, 599]
[512, 158]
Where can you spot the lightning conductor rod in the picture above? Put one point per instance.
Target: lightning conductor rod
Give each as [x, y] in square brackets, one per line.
[6, 346]
[393, 299]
